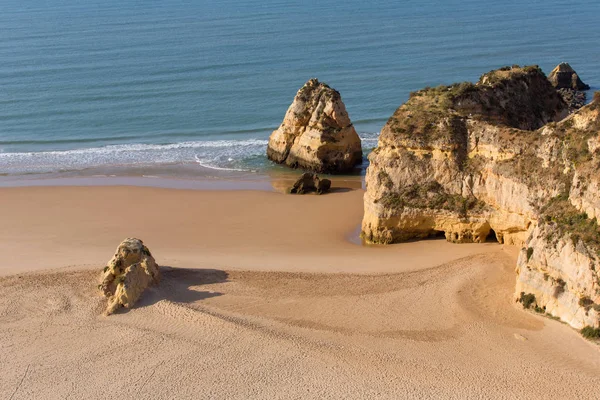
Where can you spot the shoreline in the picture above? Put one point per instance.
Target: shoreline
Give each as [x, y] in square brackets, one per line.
[206, 179]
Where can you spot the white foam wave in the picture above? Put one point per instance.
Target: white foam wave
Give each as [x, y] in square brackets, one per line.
[144, 147]
[206, 165]
[228, 155]
[369, 137]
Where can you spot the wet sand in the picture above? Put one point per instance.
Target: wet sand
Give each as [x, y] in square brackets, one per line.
[264, 295]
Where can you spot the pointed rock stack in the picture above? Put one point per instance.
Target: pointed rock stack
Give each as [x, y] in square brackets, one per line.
[316, 133]
[565, 77]
[569, 85]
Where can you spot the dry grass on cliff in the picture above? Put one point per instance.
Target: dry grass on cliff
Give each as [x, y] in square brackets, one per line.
[444, 95]
[596, 100]
[431, 195]
[501, 75]
[568, 220]
[439, 113]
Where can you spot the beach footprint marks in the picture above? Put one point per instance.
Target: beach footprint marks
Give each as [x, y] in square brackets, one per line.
[428, 305]
[435, 304]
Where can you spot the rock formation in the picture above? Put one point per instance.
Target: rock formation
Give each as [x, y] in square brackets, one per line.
[569, 86]
[316, 133]
[575, 99]
[308, 183]
[498, 159]
[565, 77]
[131, 270]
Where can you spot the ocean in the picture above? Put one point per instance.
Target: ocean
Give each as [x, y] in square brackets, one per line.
[141, 87]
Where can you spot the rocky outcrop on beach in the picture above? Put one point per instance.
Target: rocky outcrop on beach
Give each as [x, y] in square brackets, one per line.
[129, 272]
[441, 160]
[499, 160]
[309, 183]
[316, 133]
[569, 85]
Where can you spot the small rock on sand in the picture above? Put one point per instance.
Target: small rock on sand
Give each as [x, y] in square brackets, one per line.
[131, 270]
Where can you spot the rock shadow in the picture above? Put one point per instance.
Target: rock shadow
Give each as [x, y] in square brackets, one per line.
[340, 190]
[180, 285]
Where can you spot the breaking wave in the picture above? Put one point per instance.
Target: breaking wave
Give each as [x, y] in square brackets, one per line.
[233, 155]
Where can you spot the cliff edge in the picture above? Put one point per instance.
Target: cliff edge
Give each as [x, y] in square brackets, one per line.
[501, 160]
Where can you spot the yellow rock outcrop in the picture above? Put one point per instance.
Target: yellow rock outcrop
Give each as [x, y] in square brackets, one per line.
[316, 133]
[129, 272]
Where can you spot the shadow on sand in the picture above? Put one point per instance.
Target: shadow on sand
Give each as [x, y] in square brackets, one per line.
[336, 189]
[182, 285]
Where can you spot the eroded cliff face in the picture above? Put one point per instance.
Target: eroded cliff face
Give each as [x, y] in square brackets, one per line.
[497, 160]
[562, 275]
[316, 133]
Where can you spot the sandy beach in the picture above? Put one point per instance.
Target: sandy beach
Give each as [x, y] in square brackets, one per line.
[264, 295]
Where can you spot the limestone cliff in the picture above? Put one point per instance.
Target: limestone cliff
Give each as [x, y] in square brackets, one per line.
[316, 133]
[129, 272]
[497, 159]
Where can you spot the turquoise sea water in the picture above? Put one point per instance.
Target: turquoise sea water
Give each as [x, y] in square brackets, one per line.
[115, 85]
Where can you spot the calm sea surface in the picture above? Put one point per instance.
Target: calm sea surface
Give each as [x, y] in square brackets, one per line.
[118, 86]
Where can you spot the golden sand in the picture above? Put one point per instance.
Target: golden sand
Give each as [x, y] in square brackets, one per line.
[264, 295]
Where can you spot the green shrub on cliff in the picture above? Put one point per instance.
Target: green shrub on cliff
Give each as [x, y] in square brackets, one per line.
[568, 220]
[586, 302]
[527, 299]
[576, 144]
[532, 68]
[589, 332]
[529, 253]
[451, 92]
[499, 76]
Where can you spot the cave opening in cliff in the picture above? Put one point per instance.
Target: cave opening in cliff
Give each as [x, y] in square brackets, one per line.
[438, 235]
[491, 237]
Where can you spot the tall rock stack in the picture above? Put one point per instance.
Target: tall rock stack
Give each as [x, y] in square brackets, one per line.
[316, 133]
[569, 85]
[565, 77]
[500, 160]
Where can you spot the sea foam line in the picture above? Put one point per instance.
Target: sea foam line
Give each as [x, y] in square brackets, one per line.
[151, 147]
[205, 165]
[144, 147]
